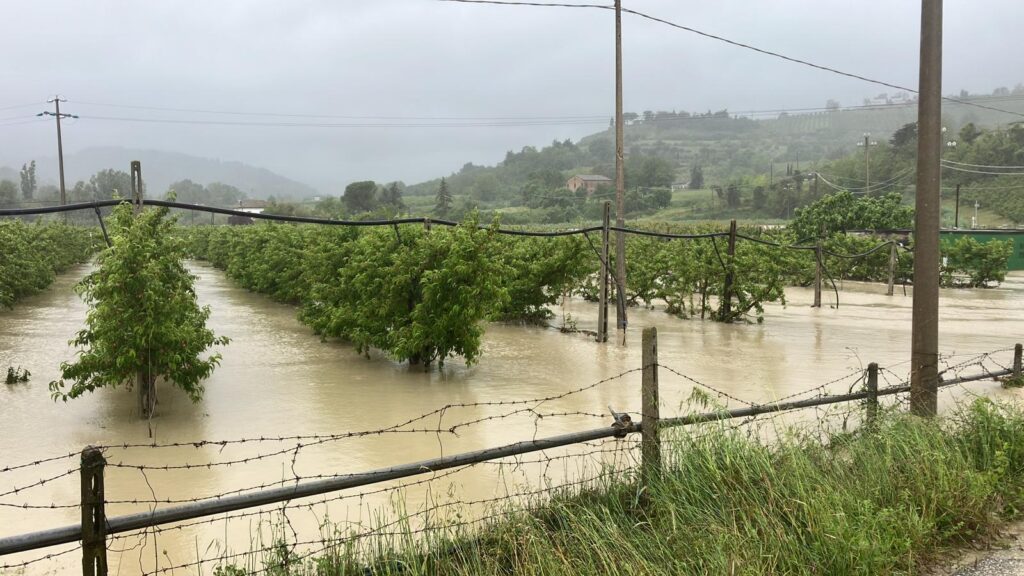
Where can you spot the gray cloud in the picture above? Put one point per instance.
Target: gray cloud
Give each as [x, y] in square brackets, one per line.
[421, 58]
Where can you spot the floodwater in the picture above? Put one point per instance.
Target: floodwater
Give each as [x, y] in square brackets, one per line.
[278, 380]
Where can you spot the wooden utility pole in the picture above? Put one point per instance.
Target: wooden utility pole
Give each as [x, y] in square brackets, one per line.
[56, 100]
[602, 308]
[956, 211]
[725, 306]
[867, 162]
[819, 267]
[892, 269]
[620, 180]
[817, 275]
[925, 329]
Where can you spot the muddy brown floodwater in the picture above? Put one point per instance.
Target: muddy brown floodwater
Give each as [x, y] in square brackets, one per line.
[277, 379]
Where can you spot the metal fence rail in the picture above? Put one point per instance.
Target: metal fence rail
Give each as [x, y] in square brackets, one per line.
[96, 527]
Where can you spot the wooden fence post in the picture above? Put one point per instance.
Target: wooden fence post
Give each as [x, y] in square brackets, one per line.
[872, 399]
[1017, 362]
[892, 268]
[818, 269]
[136, 179]
[602, 307]
[817, 276]
[142, 379]
[650, 445]
[726, 304]
[94, 520]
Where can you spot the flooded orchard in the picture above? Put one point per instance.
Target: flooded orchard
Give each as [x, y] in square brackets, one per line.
[279, 382]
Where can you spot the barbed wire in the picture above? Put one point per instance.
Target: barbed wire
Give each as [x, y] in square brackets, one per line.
[20, 566]
[39, 462]
[706, 386]
[618, 454]
[40, 482]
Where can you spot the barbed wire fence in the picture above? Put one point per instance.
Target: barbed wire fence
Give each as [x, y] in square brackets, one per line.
[311, 514]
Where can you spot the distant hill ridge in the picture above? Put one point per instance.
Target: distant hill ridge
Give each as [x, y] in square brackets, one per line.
[160, 169]
[724, 144]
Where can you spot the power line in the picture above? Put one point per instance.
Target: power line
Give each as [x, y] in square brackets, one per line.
[983, 165]
[737, 44]
[468, 124]
[16, 106]
[987, 172]
[583, 118]
[602, 117]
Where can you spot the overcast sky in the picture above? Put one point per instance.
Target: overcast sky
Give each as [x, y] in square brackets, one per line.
[430, 62]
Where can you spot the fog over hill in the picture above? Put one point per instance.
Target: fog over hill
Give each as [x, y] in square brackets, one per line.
[160, 169]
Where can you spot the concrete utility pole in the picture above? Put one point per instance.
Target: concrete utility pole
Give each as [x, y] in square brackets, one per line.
[620, 180]
[56, 100]
[867, 144]
[925, 331]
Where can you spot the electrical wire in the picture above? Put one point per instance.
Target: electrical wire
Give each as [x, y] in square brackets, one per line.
[466, 124]
[602, 117]
[738, 45]
[983, 165]
[986, 172]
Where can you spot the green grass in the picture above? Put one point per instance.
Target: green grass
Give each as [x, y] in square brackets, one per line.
[890, 501]
[986, 218]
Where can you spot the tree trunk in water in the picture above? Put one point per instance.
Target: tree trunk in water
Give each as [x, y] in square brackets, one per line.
[147, 394]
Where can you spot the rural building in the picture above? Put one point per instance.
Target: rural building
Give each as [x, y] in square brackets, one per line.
[252, 206]
[588, 181]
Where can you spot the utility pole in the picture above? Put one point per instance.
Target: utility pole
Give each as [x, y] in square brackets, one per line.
[925, 330]
[867, 144]
[56, 100]
[620, 180]
[956, 212]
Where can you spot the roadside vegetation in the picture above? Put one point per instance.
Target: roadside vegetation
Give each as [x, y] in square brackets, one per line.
[892, 500]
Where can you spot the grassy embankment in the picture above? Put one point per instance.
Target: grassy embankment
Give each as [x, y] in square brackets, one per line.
[887, 502]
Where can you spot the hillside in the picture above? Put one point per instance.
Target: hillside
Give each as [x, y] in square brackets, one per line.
[727, 146]
[160, 169]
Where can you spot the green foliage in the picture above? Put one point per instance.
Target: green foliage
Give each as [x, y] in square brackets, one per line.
[967, 262]
[649, 172]
[443, 204]
[1013, 382]
[540, 270]
[418, 296]
[687, 274]
[843, 211]
[143, 317]
[8, 192]
[28, 180]
[391, 197]
[360, 196]
[696, 178]
[32, 255]
[17, 375]
[214, 194]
